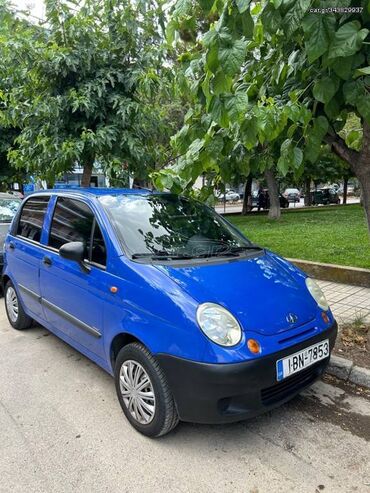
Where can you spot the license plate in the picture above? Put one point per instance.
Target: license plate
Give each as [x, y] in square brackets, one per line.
[302, 359]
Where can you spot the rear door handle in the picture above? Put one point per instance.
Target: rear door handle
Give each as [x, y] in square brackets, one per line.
[11, 245]
[47, 260]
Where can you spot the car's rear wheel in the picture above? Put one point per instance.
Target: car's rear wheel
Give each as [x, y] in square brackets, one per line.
[143, 391]
[17, 317]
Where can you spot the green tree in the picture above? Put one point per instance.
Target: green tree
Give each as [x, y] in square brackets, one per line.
[92, 80]
[276, 73]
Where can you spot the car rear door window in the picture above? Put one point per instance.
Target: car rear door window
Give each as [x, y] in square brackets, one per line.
[32, 218]
[73, 220]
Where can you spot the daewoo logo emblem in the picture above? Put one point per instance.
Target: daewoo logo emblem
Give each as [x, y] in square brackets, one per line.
[291, 318]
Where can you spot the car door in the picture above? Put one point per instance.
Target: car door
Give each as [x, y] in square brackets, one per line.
[24, 253]
[73, 299]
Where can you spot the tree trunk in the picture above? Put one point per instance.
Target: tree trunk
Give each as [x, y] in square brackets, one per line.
[86, 174]
[247, 204]
[274, 211]
[345, 190]
[363, 175]
[307, 192]
[359, 162]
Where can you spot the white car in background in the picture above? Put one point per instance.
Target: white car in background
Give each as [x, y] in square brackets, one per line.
[292, 194]
[229, 196]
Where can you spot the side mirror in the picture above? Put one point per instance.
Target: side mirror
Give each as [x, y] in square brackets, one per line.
[74, 250]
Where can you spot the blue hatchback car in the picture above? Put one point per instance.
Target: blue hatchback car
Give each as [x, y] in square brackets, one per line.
[195, 322]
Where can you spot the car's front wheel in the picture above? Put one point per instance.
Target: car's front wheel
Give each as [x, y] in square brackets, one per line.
[17, 317]
[143, 391]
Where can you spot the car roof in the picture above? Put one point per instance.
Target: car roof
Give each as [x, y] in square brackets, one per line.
[95, 191]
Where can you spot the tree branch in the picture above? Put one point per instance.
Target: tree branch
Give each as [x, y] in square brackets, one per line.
[340, 148]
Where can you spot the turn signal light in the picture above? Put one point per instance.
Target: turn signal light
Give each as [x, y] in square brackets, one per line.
[253, 346]
[325, 317]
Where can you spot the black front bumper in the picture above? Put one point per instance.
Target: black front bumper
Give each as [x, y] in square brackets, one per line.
[222, 393]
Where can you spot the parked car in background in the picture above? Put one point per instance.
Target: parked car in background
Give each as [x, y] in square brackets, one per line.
[284, 203]
[17, 194]
[229, 196]
[324, 196]
[292, 194]
[139, 282]
[9, 205]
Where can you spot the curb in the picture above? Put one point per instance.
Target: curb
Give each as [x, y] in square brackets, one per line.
[354, 276]
[344, 369]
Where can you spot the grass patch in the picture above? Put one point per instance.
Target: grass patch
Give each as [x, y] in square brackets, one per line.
[336, 235]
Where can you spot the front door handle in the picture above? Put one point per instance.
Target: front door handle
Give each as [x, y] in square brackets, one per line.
[11, 245]
[47, 260]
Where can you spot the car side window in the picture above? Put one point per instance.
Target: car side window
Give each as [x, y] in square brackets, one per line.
[98, 249]
[32, 218]
[73, 220]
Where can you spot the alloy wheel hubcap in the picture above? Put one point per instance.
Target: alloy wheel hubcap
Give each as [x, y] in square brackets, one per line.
[137, 391]
[12, 304]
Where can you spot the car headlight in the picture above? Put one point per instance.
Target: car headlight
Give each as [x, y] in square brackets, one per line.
[317, 293]
[218, 324]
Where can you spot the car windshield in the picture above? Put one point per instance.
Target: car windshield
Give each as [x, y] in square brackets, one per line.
[166, 225]
[8, 208]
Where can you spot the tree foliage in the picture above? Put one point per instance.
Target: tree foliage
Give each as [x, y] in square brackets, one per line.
[271, 82]
[87, 86]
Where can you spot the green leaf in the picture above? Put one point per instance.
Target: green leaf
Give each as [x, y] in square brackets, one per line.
[324, 89]
[212, 59]
[363, 107]
[210, 38]
[292, 19]
[347, 40]
[342, 66]
[237, 105]
[242, 5]
[218, 112]
[332, 109]
[297, 157]
[271, 18]
[284, 161]
[320, 127]
[247, 25]
[182, 7]
[353, 139]
[195, 146]
[249, 132]
[353, 91]
[221, 83]
[362, 71]
[232, 57]
[318, 30]
[315, 137]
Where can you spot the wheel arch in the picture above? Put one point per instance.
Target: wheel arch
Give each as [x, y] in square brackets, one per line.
[4, 279]
[119, 341]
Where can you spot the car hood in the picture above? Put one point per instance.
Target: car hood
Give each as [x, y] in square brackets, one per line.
[260, 291]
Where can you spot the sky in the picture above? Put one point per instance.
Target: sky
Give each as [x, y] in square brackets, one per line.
[36, 7]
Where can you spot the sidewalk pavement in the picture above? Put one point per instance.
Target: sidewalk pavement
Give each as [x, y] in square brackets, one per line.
[347, 302]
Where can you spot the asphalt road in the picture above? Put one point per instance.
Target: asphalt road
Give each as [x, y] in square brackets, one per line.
[62, 430]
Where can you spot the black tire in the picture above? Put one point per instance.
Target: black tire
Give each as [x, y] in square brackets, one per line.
[165, 415]
[22, 320]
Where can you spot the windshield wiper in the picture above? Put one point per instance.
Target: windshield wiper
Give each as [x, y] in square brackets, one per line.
[163, 255]
[246, 247]
[232, 251]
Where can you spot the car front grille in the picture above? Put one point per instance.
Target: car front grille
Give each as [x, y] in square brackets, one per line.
[292, 384]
